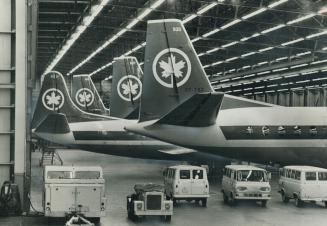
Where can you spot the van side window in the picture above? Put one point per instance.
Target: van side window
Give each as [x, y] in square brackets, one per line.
[173, 174]
[228, 172]
[197, 174]
[297, 175]
[310, 176]
[322, 175]
[293, 174]
[185, 174]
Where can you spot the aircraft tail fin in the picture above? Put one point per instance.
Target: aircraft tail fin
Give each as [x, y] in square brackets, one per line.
[54, 97]
[126, 88]
[199, 111]
[55, 123]
[173, 69]
[86, 96]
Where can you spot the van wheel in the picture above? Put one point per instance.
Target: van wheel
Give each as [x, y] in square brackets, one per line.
[225, 197]
[204, 202]
[284, 198]
[232, 200]
[298, 202]
[264, 203]
[325, 204]
[166, 218]
[174, 202]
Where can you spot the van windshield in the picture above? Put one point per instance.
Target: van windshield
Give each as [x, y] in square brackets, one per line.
[252, 175]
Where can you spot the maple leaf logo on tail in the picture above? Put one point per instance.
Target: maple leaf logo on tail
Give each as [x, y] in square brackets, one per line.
[171, 68]
[53, 99]
[84, 96]
[171, 65]
[130, 88]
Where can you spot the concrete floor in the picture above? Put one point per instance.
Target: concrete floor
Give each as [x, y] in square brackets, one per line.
[122, 173]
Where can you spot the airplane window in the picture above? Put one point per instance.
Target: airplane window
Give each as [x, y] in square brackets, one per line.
[313, 130]
[249, 130]
[281, 130]
[265, 130]
[297, 130]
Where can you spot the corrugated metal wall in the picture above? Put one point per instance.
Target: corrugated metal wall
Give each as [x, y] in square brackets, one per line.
[307, 97]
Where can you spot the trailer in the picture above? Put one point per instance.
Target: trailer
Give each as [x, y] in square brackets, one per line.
[74, 191]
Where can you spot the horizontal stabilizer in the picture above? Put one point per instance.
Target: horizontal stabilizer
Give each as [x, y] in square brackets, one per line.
[178, 151]
[55, 123]
[198, 111]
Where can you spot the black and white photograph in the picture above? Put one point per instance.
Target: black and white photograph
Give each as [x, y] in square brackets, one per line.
[163, 112]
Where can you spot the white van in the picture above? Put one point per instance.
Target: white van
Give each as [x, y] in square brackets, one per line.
[303, 183]
[186, 182]
[244, 182]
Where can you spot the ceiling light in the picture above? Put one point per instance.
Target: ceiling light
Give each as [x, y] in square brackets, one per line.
[231, 59]
[300, 19]
[211, 32]
[254, 13]
[299, 65]
[274, 4]
[189, 18]
[206, 8]
[230, 24]
[273, 28]
[229, 44]
[263, 73]
[248, 54]
[319, 61]
[317, 34]
[265, 49]
[292, 42]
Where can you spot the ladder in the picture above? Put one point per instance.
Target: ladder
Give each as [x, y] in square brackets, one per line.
[50, 157]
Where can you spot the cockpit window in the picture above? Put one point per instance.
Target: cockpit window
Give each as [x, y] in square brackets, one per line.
[252, 175]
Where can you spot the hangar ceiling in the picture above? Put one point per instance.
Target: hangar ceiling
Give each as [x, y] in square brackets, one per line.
[245, 46]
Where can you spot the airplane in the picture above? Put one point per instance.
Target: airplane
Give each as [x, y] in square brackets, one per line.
[127, 75]
[214, 122]
[58, 120]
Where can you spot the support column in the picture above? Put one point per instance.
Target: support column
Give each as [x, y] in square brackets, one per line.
[20, 96]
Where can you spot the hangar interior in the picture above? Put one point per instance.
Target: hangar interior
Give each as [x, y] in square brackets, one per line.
[267, 50]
